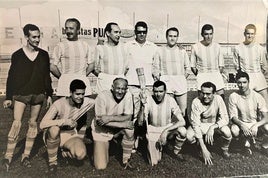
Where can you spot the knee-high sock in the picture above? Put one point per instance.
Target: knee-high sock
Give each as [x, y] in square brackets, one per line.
[30, 137]
[225, 142]
[178, 144]
[52, 150]
[127, 146]
[12, 139]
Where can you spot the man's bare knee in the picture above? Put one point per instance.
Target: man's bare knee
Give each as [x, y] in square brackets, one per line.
[129, 134]
[235, 130]
[80, 153]
[226, 131]
[53, 132]
[182, 131]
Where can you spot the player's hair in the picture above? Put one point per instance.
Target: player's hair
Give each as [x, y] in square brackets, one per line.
[159, 83]
[206, 27]
[78, 25]
[119, 78]
[77, 84]
[29, 27]
[209, 85]
[141, 24]
[172, 29]
[241, 74]
[251, 26]
[108, 27]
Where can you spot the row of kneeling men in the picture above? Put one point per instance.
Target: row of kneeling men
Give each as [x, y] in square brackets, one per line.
[159, 119]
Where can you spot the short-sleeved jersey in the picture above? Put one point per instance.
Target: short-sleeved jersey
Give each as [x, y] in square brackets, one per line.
[145, 56]
[216, 112]
[161, 114]
[246, 108]
[207, 58]
[72, 57]
[174, 61]
[107, 106]
[110, 59]
[252, 57]
[61, 110]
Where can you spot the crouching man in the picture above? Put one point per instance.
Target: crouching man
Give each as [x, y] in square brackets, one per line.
[208, 116]
[114, 112]
[164, 119]
[60, 125]
[248, 112]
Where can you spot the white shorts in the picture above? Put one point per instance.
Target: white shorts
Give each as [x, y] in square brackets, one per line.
[100, 136]
[213, 77]
[67, 135]
[176, 84]
[105, 81]
[257, 81]
[65, 81]
[64, 136]
[153, 133]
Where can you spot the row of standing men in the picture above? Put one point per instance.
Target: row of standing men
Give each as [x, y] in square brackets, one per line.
[29, 82]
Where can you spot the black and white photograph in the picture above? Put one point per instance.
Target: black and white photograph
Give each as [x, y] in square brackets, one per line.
[133, 88]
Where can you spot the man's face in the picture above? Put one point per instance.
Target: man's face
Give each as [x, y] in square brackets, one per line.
[206, 95]
[78, 96]
[119, 89]
[243, 84]
[71, 31]
[34, 38]
[114, 35]
[208, 36]
[141, 34]
[249, 36]
[159, 93]
[172, 38]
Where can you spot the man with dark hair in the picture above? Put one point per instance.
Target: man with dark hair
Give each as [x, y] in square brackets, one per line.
[207, 61]
[164, 120]
[71, 59]
[248, 112]
[141, 54]
[28, 83]
[209, 115]
[250, 57]
[110, 58]
[61, 125]
[114, 111]
[174, 68]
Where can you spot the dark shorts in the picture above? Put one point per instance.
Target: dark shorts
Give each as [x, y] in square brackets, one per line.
[30, 99]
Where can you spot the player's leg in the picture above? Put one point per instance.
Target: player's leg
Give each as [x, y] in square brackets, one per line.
[101, 154]
[264, 94]
[53, 143]
[180, 138]
[182, 102]
[76, 147]
[127, 145]
[238, 134]
[31, 134]
[190, 135]
[13, 134]
[226, 137]
[265, 141]
[154, 148]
